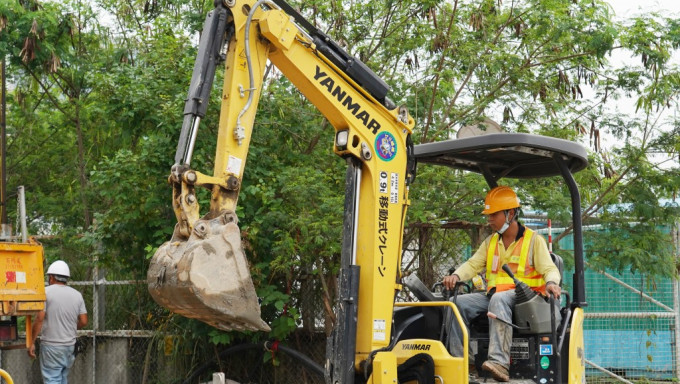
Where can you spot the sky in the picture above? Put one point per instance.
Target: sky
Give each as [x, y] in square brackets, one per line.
[624, 9]
[627, 8]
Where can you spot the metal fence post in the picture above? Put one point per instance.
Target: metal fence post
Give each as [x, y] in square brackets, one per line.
[95, 315]
[676, 303]
[676, 331]
[21, 195]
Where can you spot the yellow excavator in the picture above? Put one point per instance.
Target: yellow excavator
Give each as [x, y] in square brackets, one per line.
[202, 271]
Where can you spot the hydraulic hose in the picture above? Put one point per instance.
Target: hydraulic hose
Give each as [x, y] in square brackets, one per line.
[308, 363]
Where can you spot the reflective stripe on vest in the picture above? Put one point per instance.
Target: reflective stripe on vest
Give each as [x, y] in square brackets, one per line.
[519, 264]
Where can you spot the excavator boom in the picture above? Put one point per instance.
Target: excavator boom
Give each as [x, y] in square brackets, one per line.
[202, 272]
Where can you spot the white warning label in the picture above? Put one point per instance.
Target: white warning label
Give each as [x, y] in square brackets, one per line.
[234, 165]
[379, 330]
[394, 188]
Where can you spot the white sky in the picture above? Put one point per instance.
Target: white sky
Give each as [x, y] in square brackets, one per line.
[624, 9]
[627, 8]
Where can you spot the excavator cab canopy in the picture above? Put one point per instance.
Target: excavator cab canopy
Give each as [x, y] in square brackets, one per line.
[519, 156]
[513, 155]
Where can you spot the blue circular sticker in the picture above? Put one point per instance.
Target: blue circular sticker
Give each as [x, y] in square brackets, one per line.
[385, 146]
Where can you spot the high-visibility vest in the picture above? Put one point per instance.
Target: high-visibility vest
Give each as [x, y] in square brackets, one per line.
[518, 263]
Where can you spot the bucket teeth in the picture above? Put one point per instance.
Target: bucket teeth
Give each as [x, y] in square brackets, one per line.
[207, 277]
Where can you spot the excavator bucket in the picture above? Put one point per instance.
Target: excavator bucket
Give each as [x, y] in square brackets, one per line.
[207, 278]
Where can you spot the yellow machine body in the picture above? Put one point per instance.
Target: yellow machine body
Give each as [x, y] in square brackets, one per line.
[449, 368]
[577, 352]
[23, 286]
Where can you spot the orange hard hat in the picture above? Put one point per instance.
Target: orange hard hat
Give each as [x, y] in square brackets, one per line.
[500, 199]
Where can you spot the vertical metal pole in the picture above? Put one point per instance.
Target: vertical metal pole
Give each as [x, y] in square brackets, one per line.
[676, 338]
[341, 344]
[357, 196]
[21, 195]
[550, 236]
[4, 229]
[676, 303]
[3, 147]
[95, 315]
[579, 294]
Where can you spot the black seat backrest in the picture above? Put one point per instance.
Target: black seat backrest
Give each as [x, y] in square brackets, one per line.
[559, 263]
[419, 290]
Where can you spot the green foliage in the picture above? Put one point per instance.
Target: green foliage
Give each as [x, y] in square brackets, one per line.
[635, 247]
[444, 194]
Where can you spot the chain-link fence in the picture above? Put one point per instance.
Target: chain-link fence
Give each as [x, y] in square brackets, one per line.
[631, 328]
[118, 337]
[126, 341]
[631, 325]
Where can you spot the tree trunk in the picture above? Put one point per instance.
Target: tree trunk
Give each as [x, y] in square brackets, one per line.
[82, 170]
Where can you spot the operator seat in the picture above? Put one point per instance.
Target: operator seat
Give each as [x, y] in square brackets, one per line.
[418, 322]
[559, 263]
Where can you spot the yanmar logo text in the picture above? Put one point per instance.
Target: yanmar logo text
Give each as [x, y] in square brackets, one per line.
[346, 100]
[415, 347]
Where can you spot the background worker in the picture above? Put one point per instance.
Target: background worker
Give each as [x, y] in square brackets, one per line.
[64, 314]
[512, 244]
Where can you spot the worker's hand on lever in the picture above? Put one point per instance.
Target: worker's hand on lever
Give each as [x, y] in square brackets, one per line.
[450, 282]
[553, 289]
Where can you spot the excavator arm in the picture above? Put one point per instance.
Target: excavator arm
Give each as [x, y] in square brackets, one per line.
[202, 271]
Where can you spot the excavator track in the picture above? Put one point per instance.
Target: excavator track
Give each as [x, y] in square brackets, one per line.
[207, 277]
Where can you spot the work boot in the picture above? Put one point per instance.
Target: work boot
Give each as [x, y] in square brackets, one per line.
[473, 376]
[499, 372]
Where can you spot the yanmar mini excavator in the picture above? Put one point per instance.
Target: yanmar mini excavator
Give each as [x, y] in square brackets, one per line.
[202, 271]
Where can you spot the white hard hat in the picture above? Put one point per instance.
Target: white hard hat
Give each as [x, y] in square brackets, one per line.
[59, 267]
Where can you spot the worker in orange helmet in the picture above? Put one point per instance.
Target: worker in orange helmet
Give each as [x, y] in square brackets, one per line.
[513, 244]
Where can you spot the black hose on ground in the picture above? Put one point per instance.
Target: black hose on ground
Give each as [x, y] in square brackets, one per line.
[310, 364]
